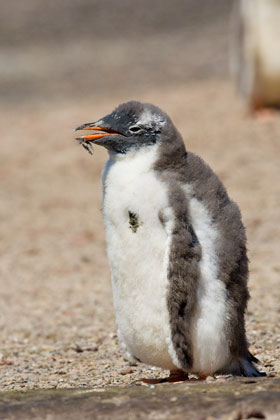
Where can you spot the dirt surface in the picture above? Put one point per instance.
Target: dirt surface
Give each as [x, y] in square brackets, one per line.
[57, 321]
[236, 399]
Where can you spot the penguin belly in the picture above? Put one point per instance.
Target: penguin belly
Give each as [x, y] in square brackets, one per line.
[137, 246]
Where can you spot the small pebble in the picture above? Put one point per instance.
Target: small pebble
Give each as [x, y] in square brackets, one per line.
[126, 371]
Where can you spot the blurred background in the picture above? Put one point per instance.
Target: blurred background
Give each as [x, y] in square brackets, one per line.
[64, 63]
[76, 48]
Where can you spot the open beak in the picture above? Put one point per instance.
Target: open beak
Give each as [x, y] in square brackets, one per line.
[93, 137]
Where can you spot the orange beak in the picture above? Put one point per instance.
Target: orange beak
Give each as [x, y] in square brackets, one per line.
[93, 137]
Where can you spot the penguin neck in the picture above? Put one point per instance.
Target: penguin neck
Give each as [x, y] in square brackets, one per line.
[144, 157]
[172, 154]
[131, 164]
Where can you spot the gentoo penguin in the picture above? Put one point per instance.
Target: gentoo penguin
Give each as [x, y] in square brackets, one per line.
[176, 246]
[255, 52]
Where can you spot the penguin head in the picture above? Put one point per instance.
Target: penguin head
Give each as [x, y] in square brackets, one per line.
[131, 126]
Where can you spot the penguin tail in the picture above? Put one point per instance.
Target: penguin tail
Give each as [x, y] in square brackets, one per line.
[247, 368]
[243, 367]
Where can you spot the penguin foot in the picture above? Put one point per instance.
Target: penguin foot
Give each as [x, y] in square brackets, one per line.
[175, 377]
[147, 381]
[265, 114]
[261, 111]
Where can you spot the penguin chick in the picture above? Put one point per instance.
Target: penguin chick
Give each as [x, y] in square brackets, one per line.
[176, 247]
[255, 52]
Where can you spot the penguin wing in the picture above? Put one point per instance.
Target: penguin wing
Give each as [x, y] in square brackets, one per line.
[183, 254]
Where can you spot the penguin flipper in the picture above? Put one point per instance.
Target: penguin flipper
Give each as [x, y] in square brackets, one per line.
[182, 260]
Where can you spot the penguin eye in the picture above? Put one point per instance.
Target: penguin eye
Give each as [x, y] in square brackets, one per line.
[135, 129]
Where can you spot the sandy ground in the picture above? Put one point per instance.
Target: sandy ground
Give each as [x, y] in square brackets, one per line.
[57, 322]
[63, 66]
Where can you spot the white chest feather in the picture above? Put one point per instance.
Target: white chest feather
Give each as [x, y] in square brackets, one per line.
[136, 254]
